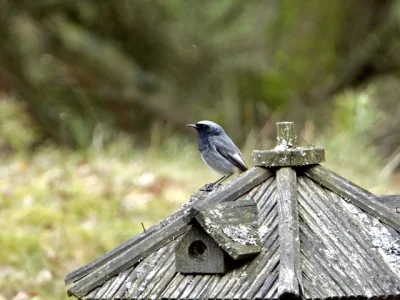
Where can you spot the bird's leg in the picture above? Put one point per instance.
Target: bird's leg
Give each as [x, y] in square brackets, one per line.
[222, 179]
[210, 186]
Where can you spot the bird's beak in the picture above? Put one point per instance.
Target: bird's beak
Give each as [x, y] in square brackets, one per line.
[192, 125]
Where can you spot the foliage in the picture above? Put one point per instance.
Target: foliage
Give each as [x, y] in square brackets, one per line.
[17, 129]
[82, 64]
[61, 208]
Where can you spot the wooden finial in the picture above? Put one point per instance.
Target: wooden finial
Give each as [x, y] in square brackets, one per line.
[286, 135]
[286, 154]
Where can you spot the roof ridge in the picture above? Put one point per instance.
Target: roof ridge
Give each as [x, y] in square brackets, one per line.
[290, 272]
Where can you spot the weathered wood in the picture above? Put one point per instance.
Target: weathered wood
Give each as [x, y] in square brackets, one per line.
[258, 277]
[91, 295]
[187, 279]
[131, 256]
[186, 213]
[173, 285]
[104, 267]
[285, 157]
[199, 288]
[234, 226]
[191, 288]
[286, 135]
[198, 253]
[104, 288]
[290, 277]
[270, 287]
[340, 243]
[166, 274]
[116, 285]
[354, 194]
[235, 188]
[341, 230]
[146, 273]
[285, 154]
[391, 201]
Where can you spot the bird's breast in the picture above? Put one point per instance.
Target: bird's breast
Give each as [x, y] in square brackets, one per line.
[204, 144]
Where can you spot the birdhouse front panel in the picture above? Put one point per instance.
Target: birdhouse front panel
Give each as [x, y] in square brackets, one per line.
[198, 253]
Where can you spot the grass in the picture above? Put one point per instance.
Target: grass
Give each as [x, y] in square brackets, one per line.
[62, 208]
[59, 208]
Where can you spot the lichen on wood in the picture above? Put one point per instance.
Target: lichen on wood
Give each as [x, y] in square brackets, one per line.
[285, 154]
[289, 157]
[234, 226]
[290, 274]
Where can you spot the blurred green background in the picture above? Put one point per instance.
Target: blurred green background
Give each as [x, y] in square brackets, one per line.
[95, 96]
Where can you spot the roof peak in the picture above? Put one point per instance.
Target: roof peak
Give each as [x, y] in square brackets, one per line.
[286, 154]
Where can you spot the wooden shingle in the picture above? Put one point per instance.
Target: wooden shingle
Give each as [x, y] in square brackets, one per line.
[320, 237]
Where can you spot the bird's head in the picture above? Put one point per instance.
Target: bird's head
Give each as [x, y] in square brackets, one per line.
[207, 128]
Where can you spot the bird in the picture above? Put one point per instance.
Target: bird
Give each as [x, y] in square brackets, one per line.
[218, 151]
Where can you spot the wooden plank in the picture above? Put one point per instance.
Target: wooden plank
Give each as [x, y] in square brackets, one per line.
[269, 288]
[91, 295]
[116, 285]
[286, 157]
[131, 256]
[334, 232]
[167, 273]
[384, 244]
[146, 274]
[198, 253]
[257, 281]
[234, 226]
[202, 282]
[186, 213]
[391, 201]
[128, 282]
[235, 188]
[96, 272]
[174, 284]
[290, 276]
[104, 288]
[354, 194]
[191, 288]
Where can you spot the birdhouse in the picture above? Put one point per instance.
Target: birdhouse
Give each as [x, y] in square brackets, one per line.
[287, 228]
[220, 233]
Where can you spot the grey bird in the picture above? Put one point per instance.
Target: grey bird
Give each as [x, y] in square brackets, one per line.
[218, 151]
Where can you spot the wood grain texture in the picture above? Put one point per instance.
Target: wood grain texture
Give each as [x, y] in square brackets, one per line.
[186, 214]
[286, 135]
[354, 194]
[129, 253]
[129, 257]
[338, 258]
[234, 226]
[235, 188]
[290, 276]
[286, 157]
[198, 253]
[391, 201]
[334, 242]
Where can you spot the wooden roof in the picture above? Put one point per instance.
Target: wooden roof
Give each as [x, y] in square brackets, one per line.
[344, 250]
[322, 237]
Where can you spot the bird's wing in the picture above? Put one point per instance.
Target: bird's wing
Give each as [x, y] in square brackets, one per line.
[228, 150]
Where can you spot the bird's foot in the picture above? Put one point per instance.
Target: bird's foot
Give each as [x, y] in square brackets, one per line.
[209, 187]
